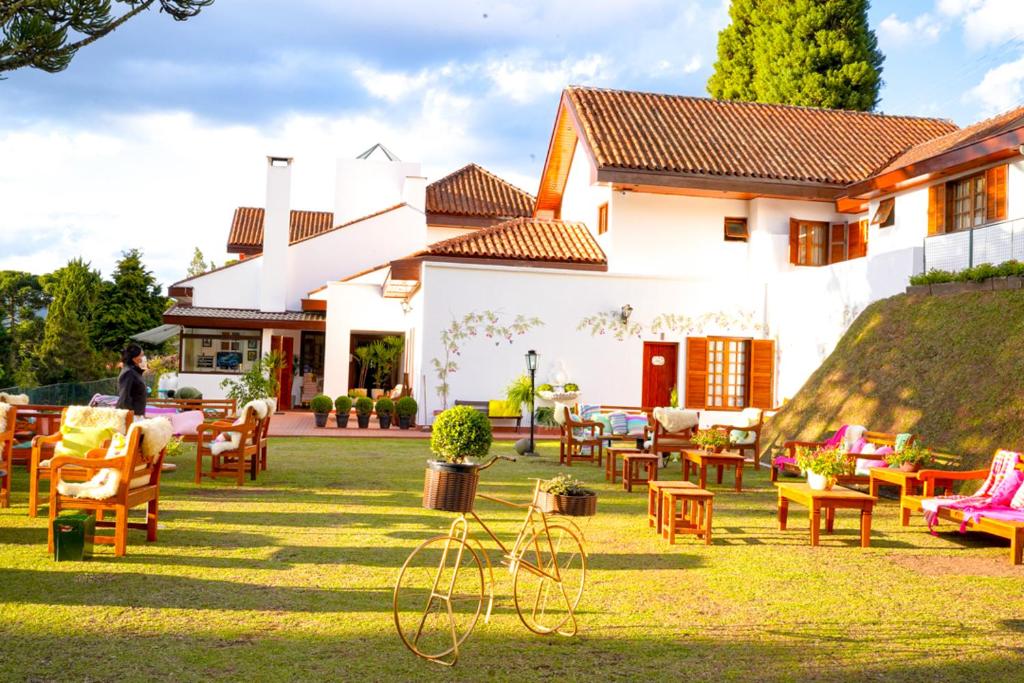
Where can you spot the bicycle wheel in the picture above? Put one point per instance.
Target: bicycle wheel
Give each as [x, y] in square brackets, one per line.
[438, 597]
[546, 604]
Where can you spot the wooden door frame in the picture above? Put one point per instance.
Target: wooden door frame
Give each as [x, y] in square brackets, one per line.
[644, 372]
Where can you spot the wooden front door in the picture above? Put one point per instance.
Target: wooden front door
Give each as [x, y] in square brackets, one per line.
[286, 347]
[660, 373]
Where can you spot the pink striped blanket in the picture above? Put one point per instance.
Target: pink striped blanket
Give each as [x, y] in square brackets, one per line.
[991, 500]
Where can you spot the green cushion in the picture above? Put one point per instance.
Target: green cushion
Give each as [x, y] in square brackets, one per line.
[78, 441]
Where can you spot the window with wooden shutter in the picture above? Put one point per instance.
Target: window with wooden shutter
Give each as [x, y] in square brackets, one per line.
[727, 373]
[837, 243]
[808, 242]
[794, 234]
[602, 219]
[885, 216]
[859, 239]
[696, 372]
[762, 373]
[937, 209]
[995, 193]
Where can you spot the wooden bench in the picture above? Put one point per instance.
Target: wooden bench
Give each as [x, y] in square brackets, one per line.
[212, 408]
[485, 408]
[877, 439]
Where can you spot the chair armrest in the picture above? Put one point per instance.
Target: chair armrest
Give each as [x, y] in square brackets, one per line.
[84, 463]
[952, 474]
[49, 438]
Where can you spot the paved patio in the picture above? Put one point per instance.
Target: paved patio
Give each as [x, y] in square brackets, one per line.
[301, 423]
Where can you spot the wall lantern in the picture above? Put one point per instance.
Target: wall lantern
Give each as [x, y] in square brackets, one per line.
[624, 313]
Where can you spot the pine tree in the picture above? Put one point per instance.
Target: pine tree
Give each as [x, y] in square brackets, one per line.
[819, 53]
[21, 299]
[66, 353]
[197, 266]
[132, 302]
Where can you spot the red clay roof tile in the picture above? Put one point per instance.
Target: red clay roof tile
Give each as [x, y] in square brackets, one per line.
[525, 239]
[474, 191]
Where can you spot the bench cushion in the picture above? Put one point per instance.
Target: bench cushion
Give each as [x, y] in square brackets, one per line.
[503, 409]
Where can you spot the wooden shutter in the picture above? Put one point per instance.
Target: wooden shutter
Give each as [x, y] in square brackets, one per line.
[762, 373]
[859, 239]
[696, 372]
[794, 241]
[937, 209]
[837, 246]
[995, 194]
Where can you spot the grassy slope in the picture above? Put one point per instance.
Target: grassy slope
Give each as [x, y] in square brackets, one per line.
[949, 368]
[290, 579]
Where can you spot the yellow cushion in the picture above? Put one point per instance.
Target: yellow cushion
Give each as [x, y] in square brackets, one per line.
[78, 441]
[502, 409]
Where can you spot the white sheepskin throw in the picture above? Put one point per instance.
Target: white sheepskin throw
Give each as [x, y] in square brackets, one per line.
[156, 434]
[675, 419]
[85, 416]
[233, 440]
[14, 399]
[5, 409]
[853, 435]
[271, 405]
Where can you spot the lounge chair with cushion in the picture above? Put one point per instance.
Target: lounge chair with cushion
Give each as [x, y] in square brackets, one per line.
[745, 433]
[865, 449]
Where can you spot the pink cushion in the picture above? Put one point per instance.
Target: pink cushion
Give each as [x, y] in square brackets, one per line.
[186, 423]
[858, 445]
[783, 460]
[150, 410]
[863, 466]
[885, 450]
[1004, 493]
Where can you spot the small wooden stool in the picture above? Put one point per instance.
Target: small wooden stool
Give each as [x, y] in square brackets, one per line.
[695, 517]
[611, 465]
[631, 469]
[654, 491]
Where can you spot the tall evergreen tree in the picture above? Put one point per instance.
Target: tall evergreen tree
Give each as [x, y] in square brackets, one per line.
[21, 300]
[66, 353]
[197, 266]
[818, 53]
[132, 302]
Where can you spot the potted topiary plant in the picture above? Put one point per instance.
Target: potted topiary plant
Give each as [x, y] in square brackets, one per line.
[364, 406]
[711, 440]
[342, 408]
[450, 481]
[384, 408]
[566, 496]
[405, 409]
[911, 458]
[321, 406]
[188, 392]
[822, 465]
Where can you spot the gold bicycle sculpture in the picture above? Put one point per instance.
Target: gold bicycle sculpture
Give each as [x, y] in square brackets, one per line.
[442, 586]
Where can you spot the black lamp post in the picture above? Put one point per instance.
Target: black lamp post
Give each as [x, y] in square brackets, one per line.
[531, 366]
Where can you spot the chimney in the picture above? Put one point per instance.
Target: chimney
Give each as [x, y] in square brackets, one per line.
[276, 229]
[414, 192]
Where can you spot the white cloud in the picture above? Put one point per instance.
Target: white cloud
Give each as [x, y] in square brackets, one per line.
[987, 22]
[1001, 89]
[894, 32]
[524, 78]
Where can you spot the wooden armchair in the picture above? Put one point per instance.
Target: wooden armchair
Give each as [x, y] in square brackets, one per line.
[754, 423]
[8, 424]
[664, 442]
[138, 484]
[787, 463]
[581, 440]
[39, 468]
[225, 461]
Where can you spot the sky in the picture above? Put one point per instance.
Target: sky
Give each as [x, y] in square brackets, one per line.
[155, 133]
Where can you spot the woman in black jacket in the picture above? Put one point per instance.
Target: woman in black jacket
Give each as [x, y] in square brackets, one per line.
[131, 390]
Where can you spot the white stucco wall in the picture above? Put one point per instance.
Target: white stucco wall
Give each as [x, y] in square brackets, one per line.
[580, 199]
[237, 286]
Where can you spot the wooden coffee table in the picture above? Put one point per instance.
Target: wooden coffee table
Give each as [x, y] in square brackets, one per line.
[654, 490]
[632, 462]
[829, 501]
[612, 453]
[702, 460]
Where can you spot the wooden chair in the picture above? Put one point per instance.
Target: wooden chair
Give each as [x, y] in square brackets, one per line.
[32, 421]
[586, 444]
[212, 408]
[264, 433]
[139, 485]
[878, 439]
[754, 417]
[230, 463]
[8, 426]
[39, 470]
[664, 442]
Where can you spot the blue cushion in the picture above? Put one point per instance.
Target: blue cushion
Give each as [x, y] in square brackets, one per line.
[636, 424]
[589, 411]
[604, 422]
[620, 423]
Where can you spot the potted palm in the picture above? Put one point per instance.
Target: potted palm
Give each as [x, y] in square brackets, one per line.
[384, 408]
[342, 408]
[822, 465]
[364, 406]
[711, 440]
[321, 406]
[567, 496]
[450, 480]
[406, 408]
[911, 458]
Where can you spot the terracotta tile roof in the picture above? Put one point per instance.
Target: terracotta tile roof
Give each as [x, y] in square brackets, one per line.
[244, 314]
[247, 227]
[474, 191]
[996, 125]
[525, 239]
[694, 135]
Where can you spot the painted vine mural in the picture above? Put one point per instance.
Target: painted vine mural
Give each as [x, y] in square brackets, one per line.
[610, 323]
[472, 325]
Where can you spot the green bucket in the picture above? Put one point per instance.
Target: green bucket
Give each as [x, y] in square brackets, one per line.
[73, 536]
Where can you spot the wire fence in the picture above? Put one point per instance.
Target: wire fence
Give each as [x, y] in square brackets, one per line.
[68, 393]
[991, 244]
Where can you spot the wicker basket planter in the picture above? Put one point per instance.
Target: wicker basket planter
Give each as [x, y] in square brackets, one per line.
[450, 487]
[573, 506]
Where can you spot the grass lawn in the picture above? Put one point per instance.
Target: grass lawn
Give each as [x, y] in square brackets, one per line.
[290, 579]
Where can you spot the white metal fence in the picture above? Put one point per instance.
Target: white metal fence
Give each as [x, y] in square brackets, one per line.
[990, 244]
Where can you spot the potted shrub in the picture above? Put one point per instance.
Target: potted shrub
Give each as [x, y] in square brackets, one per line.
[364, 406]
[911, 458]
[449, 483]
[321, 406]
[711, 440]
[566, 496]
[405, 409]
[384, 408]
[188, 392]
[822, 465]
[342, 408]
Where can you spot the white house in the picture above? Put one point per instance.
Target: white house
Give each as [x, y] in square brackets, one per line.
[719, 248]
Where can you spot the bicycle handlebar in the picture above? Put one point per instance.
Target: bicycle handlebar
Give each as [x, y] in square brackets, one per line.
[494, 460]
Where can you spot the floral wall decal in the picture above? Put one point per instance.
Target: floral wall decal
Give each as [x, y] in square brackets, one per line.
[610, 323]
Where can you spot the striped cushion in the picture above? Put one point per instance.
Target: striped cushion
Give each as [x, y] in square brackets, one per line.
[589, 412]
[620, 423]
[636, 424]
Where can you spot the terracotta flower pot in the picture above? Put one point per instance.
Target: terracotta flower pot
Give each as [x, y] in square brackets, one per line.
[910, 467]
